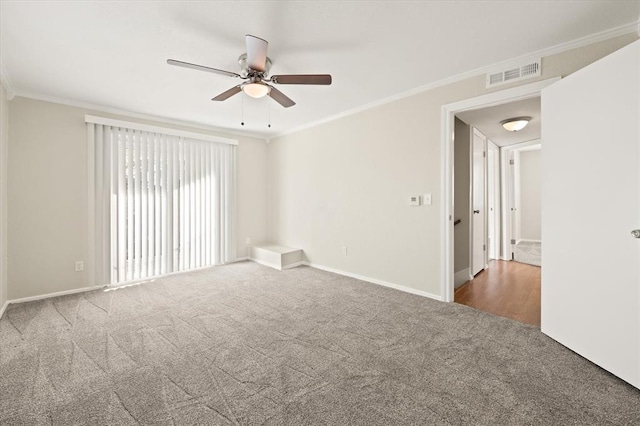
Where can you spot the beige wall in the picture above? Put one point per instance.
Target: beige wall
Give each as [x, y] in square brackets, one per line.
[346, 182]
[47, 192]
[462, 192]
[530, 209]
[4, 140]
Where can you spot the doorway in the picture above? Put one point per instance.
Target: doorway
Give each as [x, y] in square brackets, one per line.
[447, 160]
[523, 193]
[503, 211]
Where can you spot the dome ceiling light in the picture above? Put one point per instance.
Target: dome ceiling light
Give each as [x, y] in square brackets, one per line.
[515, 124]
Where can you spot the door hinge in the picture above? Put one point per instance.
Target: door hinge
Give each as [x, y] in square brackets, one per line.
[513, 241]
[484, 247]
[511, 162]
[484, 153]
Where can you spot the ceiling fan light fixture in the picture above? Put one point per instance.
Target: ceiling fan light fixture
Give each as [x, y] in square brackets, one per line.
[256, 89]
[515, 124]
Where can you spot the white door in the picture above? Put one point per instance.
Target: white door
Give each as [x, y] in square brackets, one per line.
[493, 197]
[590, 205]
[478, 245]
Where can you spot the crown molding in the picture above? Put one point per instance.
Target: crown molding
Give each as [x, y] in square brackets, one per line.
[140, 116]
[6, 82]
[633, 27]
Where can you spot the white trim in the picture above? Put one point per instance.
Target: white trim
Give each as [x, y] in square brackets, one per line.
[630, 28]
[587, 40]
[294, 265]
[276, 266]
[525, 91]
[56, 294]
[157, 129]
[117, 111]
[6, 82]
[447, 125]
[523, 145]
[373, 281]
[507, 218]
[493, 249]
[113, 287]
[542, 53]
[461, 277]
[265, 263]
[505, 200]
[446, 175]
[526, 240]
[156, 277]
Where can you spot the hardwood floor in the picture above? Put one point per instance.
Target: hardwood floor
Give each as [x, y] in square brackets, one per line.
[508, 289]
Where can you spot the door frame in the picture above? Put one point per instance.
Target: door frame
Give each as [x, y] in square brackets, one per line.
[448, 112]
[494, 171]
[509, 179]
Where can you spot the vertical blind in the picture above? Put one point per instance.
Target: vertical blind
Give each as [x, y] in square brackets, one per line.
[163, 203]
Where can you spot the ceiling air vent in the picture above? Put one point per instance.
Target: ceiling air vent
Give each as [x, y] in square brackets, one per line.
[516, 72]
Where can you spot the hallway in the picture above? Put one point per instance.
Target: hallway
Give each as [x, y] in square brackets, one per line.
[507, 289]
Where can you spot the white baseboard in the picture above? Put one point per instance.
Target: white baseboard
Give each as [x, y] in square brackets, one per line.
[293, 265]
[265, 263]
[461, 277]
[275, 266]
[374, 281]
[98, 287]
[3, 308]
[239, 259]
[56, 294]
[529, 241]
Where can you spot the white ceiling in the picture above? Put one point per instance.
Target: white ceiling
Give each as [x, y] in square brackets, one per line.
[487, 120]
[113, 53]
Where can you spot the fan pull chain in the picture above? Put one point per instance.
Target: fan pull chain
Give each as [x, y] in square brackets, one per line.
[268, 114]
[242, 110]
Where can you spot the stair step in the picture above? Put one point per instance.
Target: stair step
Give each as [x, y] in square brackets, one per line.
[276, 256]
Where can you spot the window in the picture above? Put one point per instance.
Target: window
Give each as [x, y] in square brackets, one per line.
[162, 202]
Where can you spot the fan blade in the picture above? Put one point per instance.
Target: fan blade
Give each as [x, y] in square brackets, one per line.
[323, 79]
[201, 68]
[280, 97]
[226, 95]
[256, 52]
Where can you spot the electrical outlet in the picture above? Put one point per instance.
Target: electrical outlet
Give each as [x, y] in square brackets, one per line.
[344, 250]
[79, 266]
[248, 240]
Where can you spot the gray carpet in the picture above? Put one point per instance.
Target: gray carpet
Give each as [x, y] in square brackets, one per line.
[245, 344]
[529, 252]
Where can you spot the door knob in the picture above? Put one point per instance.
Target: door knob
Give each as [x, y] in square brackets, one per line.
[636, 233]
[478, 212]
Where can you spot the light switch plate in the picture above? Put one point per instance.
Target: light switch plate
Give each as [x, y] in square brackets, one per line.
[426, 199]
[414, 200]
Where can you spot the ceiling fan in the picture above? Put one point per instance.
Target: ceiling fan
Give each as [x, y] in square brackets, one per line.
[254, 68]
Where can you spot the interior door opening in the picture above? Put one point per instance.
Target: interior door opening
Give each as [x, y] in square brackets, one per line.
[497, 194]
